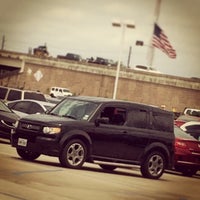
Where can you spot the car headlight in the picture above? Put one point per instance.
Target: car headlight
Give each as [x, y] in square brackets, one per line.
[51, 130]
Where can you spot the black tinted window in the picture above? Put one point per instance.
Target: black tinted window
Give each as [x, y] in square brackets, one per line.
[193, 127]
[137, 118]
[115, 115]
[14, 95]
[161, 122]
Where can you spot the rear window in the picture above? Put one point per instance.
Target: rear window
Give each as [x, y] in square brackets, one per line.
[162, 122]
[181, 134]
[137, 118]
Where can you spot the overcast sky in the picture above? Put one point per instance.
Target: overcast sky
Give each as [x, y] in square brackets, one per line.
[85, 27]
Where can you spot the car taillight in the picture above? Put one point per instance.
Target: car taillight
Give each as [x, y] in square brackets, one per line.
[180, 144]
[179, 123]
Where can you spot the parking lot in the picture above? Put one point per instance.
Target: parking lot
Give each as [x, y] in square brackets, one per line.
[46, 179]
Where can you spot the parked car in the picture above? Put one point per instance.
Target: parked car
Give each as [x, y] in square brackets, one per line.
[90, 129]
[26, 107]
[60, 92]
[187, 153]
[191, 112]
[182, 119]
[7, 120]
[192, 128]
[11, 94]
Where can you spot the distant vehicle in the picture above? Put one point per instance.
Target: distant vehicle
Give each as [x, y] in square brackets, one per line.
[41, 51]
[192, 112]
[7, 120]
[102, 61]
[187, 153]
[99, 130]
[145, 69]
[11, 94]
[71, 56]
[192, 128]
[28, 106]
[182, 119]
[60, 92]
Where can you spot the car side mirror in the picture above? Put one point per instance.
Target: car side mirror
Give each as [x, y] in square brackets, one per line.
[102, 120]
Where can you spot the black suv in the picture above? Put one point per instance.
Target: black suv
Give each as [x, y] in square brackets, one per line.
[99, 130]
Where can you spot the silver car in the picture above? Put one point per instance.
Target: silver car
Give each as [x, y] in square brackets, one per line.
[29, 106]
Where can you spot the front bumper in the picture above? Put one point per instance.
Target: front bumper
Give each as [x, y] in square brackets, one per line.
[40, 144]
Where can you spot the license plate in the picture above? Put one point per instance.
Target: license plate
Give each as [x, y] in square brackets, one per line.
[22, 142]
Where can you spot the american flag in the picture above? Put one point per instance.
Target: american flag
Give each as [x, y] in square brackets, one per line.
[160, 40]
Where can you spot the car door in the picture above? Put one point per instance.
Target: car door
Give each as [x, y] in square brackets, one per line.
[136, 132]
[107, 137]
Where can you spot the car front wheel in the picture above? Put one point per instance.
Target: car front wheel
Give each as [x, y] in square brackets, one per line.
[73, 154]
[153, 165]
[28, 155]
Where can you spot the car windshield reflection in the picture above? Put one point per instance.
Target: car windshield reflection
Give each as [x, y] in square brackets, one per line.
[75, 109]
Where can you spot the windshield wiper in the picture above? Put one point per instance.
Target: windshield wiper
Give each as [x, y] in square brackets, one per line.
[52, 114]
[69, 116]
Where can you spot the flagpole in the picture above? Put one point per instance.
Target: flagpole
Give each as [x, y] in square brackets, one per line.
[151, 48]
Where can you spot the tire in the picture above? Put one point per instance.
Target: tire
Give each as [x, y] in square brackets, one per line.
[108, 167]
[28, 155]
[73, 154]
[153, 165]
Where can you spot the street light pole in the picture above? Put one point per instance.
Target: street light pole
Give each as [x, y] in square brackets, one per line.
[123, 25]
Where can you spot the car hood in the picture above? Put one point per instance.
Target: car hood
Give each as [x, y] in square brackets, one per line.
[46, 118]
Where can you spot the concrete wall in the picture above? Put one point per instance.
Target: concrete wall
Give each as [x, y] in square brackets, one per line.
[94, 80]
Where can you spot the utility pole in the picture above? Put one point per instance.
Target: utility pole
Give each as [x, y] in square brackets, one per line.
[129, 56]
[3, 42]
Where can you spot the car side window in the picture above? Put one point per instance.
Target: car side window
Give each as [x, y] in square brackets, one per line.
[161, 122]
[14, 95]
[137, 118]
[115, 115]
[21, 107]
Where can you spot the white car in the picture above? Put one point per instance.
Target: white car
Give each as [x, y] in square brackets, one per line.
[192, 112]
[193, 128]
[29, 106]
[60, 92]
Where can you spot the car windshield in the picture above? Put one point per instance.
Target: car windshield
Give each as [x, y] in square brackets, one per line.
[181, 134]
[75, 109]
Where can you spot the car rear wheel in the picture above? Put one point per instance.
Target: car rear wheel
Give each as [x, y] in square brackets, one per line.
[153, 165]
[73, 154]
[107, 167]
[28, 155]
